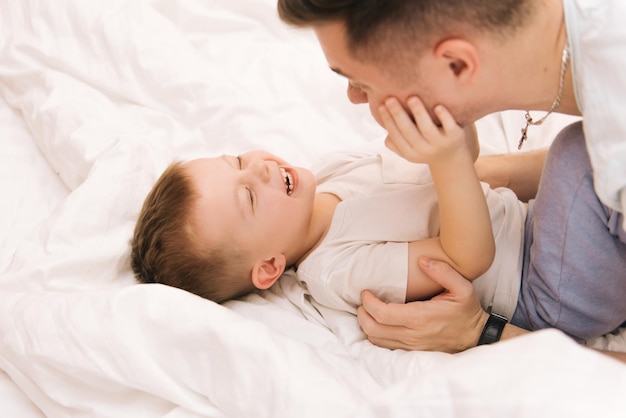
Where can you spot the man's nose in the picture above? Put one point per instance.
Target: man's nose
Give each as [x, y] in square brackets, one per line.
[356, 95]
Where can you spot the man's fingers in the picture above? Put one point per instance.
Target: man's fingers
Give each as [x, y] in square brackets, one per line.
[390, 344]
[443, 274]
[380, 334]
[381, 312]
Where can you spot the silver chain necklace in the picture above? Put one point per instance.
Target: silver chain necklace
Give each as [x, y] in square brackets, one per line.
[555, 104]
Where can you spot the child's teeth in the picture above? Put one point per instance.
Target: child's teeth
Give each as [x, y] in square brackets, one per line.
[288, 180]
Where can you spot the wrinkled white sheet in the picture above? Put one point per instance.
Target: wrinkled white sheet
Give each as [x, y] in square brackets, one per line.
[97, 98]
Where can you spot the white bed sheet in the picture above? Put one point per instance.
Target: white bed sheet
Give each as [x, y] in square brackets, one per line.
[97, 98]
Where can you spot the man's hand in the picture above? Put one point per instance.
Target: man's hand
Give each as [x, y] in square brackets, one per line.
[451, 321]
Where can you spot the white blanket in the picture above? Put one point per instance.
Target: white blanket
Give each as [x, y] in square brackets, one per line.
[98, 97]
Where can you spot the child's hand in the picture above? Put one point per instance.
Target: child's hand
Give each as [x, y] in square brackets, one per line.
[421, 141]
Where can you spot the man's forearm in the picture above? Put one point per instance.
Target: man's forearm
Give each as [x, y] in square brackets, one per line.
[519, 172]
[511, 331]
[614, 354]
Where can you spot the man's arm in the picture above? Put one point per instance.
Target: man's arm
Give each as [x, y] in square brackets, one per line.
[519, 172]
[614, 354]
[450, 322]
[471, 139]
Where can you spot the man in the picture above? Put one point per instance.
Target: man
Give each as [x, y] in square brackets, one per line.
[479, 57]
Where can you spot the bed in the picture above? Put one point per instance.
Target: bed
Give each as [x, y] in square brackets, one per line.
[97, 98]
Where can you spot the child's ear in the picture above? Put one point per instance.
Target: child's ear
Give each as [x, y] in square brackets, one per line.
[266, 272]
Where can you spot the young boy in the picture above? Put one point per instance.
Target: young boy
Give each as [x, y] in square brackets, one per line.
[223, 227]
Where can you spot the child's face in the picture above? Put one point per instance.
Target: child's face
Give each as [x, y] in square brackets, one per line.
[255, 201]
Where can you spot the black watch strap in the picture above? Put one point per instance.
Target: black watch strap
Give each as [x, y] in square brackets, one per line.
[493, 329]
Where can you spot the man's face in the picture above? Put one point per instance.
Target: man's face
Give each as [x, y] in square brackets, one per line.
[370, 82]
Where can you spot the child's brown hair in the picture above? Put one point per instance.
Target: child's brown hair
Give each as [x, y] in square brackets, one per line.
[165, 248]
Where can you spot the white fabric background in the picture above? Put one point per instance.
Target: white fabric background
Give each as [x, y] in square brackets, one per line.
[97, 98]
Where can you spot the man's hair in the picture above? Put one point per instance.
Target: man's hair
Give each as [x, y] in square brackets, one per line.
[165, 249]
[374, 27]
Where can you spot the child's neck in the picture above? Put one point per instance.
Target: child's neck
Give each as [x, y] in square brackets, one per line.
[323, 211]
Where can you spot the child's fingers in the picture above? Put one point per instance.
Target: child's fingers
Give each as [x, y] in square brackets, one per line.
[422, 118]
[390, 125]
[448, 123]
[402, 132]
[406, 126]
[389, 143]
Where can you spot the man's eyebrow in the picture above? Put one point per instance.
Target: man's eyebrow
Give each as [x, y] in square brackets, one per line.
[338, 71]
[350, 79]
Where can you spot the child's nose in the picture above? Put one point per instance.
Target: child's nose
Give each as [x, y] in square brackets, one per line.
[260, 170]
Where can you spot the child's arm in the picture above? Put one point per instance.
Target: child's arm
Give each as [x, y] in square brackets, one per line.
[466, 239]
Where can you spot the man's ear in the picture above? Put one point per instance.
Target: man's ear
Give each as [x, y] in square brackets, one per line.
[460, 56]
[266, 272]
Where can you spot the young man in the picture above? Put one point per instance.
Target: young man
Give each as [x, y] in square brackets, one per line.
[479, 57]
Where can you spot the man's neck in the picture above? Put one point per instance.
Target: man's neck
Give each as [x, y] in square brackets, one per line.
[531, 62]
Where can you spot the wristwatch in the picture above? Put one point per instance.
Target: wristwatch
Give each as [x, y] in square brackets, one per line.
[493, 329]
